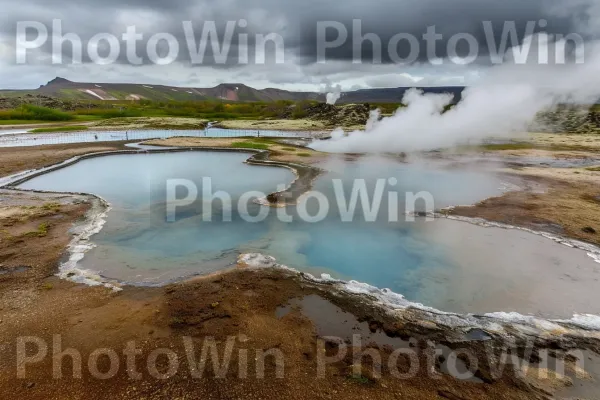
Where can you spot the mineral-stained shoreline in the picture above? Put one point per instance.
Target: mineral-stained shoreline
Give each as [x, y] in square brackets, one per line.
[249, 308]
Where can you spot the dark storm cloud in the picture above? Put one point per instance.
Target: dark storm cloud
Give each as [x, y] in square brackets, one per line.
[296, 22]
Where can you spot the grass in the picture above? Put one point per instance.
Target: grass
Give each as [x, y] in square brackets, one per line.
[593, 169]
[85, 118]
[35, 113]
[41, 231]
[508, 146]
[360, 379]
[70, 128]
[20, 122]
[53, 206]
[304, 155]
[250, 145]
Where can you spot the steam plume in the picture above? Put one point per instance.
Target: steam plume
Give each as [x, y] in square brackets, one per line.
[334, 96]
[502, 104]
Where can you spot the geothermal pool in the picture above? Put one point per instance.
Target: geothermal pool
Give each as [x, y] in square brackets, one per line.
[450, 265]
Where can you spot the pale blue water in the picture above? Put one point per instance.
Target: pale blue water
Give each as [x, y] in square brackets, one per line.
[16, 138]
[449, 265]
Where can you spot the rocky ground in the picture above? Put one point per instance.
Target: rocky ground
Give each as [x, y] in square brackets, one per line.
[315, 117]
[333, 116]
[569, 119]
[7, 103]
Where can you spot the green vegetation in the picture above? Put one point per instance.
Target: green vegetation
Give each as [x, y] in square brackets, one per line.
[206, 110]
[52, 206]
[303, 154]
[593, 169]
[41, 231]
[70, 128]
[250, 145]
[107, 113]
[76, 109]
[360, 379]
[209, 110]
[386, 108]
[508, 146]
[19, 121]
[28, 112]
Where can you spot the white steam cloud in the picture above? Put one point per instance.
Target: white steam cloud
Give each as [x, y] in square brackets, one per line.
[334, 96]
[503, 104]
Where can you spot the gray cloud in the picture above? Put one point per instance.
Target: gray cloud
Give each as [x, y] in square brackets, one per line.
[296, 22]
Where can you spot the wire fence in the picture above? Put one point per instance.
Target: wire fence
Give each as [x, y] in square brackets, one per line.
[38, 139]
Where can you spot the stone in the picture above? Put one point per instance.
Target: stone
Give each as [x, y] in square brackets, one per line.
[588, 229]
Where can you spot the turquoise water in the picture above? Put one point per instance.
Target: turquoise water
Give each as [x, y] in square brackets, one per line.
[450, 265]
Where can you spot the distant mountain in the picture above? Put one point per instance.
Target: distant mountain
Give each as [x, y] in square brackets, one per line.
[69, 90]
[395, 95]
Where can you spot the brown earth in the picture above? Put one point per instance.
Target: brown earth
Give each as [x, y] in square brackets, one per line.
[571, 209]
[17, 159]
[563, 201]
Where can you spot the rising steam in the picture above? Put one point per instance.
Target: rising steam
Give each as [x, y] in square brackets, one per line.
[334, 96]
[503, 104]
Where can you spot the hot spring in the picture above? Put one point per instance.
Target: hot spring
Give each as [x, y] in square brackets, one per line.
[450, 265]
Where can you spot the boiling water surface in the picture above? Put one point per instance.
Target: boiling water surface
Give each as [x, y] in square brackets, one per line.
[450, 265]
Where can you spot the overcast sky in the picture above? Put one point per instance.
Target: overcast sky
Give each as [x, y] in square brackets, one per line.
[296, 23]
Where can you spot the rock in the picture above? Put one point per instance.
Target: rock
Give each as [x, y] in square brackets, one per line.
[568, 119]
[330, 115]
[446, 394]
[588, 229]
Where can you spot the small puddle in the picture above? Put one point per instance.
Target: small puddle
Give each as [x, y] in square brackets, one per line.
[339, 326]
[477, 335]
[14, 270]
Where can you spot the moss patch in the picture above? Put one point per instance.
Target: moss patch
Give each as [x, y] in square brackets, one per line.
[71, 128]
[250, 145]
